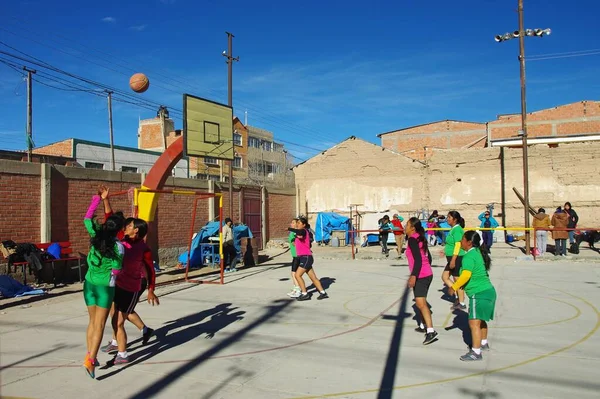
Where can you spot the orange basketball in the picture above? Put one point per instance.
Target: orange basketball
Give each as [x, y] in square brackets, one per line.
[139, 83]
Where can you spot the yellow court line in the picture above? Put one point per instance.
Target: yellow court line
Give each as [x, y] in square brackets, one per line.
[485, 372]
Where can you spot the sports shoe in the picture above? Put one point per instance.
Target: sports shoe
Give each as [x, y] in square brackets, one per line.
[145, 337]
[322, 296]
[485, 347]
[421, 330]
[109, 348]
[430, 338]
[90, 367]
[471, 356]
[121, 360]
[304, 297]
[294, 294]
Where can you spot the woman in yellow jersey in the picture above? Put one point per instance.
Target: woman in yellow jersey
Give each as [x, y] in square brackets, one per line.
[454, 254]
[475, 279]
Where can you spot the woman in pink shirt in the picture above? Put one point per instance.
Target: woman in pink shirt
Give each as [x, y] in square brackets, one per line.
[419, 264]
[305, 260]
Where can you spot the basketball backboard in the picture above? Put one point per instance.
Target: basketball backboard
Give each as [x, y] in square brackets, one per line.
[207, 128]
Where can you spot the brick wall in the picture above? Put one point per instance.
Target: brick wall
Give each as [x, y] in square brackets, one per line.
[420, 142]
[71, 191]
[20, 199]
[282, 208]
[62, 148]
[578, 118]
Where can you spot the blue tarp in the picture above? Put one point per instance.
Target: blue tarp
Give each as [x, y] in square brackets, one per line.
[329, 221]
[211, 229]
[10, 288]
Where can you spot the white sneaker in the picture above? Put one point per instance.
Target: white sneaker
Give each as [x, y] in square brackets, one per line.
[294, 294]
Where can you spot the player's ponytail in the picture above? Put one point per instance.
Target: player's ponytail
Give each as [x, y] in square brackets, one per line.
[473, 237]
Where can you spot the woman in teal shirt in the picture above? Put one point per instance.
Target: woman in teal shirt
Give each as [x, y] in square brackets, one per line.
[475, 279]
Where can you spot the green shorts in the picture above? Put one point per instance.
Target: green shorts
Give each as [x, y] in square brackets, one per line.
[98, 295]
[482, 305]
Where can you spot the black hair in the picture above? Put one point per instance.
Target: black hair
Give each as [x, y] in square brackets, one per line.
[416, 223]
[474, 237]
[141, 226]
[385, 217]
[541, 210]
[304, 221]
[227, 220]
[568, 203]
[459, 220]
[106, 236]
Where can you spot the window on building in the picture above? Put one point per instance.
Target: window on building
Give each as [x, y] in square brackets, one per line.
[130, 169]
[271, 168]
[253, 142]
[277, 147]
[94, 165]
[211, 161]
[237, 139]
[213, 177]
[237, 162]
[267, 146]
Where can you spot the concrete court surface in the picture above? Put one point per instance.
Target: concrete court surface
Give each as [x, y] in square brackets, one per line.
[246, 339]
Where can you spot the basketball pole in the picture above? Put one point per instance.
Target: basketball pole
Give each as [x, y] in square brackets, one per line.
[230, 60]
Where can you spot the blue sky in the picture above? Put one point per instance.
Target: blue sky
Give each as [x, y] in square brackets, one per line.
[313, 72]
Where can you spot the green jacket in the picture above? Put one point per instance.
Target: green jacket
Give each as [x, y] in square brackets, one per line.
[99, 268]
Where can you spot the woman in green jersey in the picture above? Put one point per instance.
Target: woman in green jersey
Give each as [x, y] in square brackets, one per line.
[454, 254]
[475, 279]
[105, 259]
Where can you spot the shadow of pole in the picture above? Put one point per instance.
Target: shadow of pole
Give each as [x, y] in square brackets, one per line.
[153, 389]
[386, 386]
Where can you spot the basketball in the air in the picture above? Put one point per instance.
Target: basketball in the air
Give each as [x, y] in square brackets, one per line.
[139, 83]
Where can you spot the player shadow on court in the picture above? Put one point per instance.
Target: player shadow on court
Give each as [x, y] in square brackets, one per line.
[445, 296]
[272, 312]
[461, 321]
[179, 332]
[417, 314]
[325, 282]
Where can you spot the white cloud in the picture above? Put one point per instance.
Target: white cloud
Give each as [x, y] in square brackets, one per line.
[110, 20]
[138, 28]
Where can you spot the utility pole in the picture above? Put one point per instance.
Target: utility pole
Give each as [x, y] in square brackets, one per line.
[524, 128]
[521, 33]
[230, 60]
[29, 113]
[110, 130]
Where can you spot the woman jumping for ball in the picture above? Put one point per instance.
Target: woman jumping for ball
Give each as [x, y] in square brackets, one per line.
[475, 279]
[305, 260]
[421, 275]
[104, 261]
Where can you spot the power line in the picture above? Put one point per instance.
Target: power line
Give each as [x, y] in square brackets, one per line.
[282, 121]
[127, 98]
[543, 58]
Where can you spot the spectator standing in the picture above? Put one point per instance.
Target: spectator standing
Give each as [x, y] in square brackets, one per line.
[541, 221]
[573, 219]
[398, 233]
[560, 220]
[488, 222]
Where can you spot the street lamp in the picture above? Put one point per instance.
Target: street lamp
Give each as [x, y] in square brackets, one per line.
[520, 34]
